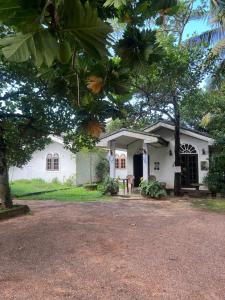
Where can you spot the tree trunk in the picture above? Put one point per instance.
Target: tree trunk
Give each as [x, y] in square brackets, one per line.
[177, 176]
[5, 194]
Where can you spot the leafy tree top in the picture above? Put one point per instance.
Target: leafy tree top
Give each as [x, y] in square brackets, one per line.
[54, 29]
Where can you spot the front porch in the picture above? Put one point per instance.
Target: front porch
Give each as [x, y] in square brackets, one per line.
[140, 147]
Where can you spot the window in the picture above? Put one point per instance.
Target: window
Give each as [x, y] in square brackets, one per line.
[49, 162]
[123, 162]
[187, 149]
[156, 165]
[117, 162]
[56, 162]
[52, 162]
[120, 161]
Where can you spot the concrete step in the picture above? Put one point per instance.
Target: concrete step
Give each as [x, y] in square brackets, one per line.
[131, 197]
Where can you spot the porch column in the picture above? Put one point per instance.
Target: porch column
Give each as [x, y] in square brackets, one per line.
[112, 167]
[145, 161]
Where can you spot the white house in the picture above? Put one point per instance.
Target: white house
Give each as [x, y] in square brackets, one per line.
[151, 152]
[57, 162]
[130, 152]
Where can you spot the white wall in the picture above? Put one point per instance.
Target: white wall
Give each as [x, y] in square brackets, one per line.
[36, 168]
[82, 165]
[86, 166]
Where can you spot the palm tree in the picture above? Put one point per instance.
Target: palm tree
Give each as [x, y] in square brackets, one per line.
[216, 35]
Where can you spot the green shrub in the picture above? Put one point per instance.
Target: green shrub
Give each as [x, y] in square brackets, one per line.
[110, 186]
[215, 180]
[71, 181]
[152, 189]
[102, 169]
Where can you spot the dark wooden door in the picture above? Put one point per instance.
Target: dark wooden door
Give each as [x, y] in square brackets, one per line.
[189, 169]
[138, 168]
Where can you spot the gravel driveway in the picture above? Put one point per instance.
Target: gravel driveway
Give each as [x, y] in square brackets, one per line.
[113, 250]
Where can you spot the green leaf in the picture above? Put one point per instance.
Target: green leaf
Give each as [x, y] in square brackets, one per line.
[15, 48]
[21, 14]
[41, 47]
[116, 3]
[65, 52]
[82, 24]
[35, 35]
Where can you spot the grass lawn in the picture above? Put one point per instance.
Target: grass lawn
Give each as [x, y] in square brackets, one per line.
[21, 187]
[217, 205]
[64, 193]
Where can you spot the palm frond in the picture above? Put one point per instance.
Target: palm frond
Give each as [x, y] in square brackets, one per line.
[211, 36]
[217, 4]
[197, 15]
[218, 77]
[219, 47]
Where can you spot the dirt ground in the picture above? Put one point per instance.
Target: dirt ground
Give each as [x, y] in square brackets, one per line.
[113, 250]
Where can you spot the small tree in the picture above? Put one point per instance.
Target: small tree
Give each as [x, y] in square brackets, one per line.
[213, 120]
[102, 169]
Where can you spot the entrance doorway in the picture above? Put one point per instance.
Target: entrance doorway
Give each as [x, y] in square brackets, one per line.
[189, 169]
[138, 168]
[189, 165]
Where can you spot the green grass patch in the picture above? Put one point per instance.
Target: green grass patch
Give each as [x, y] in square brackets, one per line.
[216, 205]
[79, 194]
[21, 187]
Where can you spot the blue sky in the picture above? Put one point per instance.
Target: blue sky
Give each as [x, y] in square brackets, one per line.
[196, 26]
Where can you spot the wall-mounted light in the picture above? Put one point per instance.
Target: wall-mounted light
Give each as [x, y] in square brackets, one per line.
[170, 153]
[203, 152]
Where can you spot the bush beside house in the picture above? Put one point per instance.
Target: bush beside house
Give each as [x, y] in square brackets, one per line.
[110, 186]
[152, 189]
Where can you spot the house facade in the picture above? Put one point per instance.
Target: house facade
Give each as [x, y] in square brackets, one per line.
[151, 153]
[56, 162]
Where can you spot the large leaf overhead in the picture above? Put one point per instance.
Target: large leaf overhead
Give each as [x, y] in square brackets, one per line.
[24, 15]
[82, 23]
[42, 47]
[40, 25]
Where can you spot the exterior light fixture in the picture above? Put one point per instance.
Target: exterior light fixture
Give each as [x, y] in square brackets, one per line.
[170, 153]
